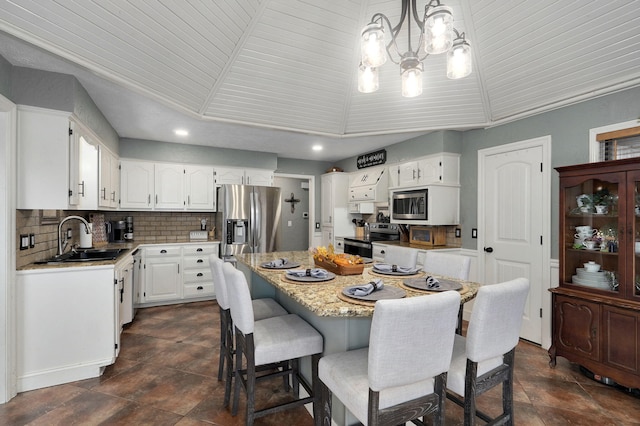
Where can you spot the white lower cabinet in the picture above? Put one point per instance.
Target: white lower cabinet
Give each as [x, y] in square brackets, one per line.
[378, 252]
[172, 273]
[67, 325]
[339, 245]
[197, 279]
[162, 279]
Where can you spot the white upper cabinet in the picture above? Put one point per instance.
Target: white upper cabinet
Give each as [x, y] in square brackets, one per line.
[57, 161]
[43, 159]
[166, 186]
[169, 186]
[239, 176]
[441, 168]
[229, 175]
[199, 188]
[109, 185]
[136, 184]
[258, 177]
[87, 183]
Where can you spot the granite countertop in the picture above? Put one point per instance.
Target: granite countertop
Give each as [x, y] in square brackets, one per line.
[322, 298]
[130, 247]
[414, 246]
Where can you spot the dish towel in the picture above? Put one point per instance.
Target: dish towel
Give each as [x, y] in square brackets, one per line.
[365, 289]
[277, 263]
[432, 282]
[385, 267]
[315, 273]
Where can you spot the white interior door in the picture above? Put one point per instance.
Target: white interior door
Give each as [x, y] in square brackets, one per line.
[514, 235]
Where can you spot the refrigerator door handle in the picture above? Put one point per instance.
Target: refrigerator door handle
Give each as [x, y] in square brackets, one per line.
[255, 227]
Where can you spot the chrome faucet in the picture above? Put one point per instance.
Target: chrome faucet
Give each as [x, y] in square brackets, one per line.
[61, 245]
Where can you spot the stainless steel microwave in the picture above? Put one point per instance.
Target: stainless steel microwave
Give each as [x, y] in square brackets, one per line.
[431, 205]
[410, 204]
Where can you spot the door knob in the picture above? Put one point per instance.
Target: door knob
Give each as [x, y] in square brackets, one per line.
[488, 249]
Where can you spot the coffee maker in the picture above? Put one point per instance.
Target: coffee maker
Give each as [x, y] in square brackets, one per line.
[116, 230]
[128, 233]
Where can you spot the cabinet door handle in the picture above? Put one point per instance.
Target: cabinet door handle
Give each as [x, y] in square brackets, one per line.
[81, 193]
[381, 251]
[199, 274]
[104, 193]
[163, 251]
[593, 332]
[156, 198]
[200, 288]
[189, 199]
[199, 249]
[149, 199]
[199, 261]
[113, 196]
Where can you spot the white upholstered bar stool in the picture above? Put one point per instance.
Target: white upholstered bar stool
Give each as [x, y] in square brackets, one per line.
[449, 265]
[278, 341]
[263, 308]
[400, 256]
[485, 358]
[402, 375]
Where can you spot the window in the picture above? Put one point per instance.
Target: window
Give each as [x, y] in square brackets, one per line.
[619, 144]
[615, 142]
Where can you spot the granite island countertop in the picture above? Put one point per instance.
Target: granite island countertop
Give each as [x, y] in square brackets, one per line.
[322, 298]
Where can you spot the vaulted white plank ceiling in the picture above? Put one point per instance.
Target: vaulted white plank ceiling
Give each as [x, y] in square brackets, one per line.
[287, 69]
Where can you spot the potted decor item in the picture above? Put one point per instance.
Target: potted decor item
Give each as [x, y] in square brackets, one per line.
[602, 200]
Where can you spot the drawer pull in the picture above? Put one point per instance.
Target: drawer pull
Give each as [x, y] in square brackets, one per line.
[199, 249]
[200, 288]
[163, 251]
[199, 261]
[199, 274]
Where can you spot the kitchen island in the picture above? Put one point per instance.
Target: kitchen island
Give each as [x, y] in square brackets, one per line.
[343, 325]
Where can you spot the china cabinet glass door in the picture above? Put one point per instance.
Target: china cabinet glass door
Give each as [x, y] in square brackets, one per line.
[634, 246]
[593, 232]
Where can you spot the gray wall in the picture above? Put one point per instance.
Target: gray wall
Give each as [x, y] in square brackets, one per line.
[430, 143]
[296, 236]
[569, 130]
[61, 92]
[5, 77]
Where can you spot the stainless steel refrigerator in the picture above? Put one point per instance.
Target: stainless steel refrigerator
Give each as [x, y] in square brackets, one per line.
[249, 218]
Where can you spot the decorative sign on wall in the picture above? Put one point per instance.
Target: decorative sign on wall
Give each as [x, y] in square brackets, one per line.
[372, 159]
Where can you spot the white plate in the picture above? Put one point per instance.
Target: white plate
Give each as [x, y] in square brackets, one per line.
[587, 283]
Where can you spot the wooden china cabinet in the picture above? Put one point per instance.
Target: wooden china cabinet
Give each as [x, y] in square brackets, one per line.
[596, 315]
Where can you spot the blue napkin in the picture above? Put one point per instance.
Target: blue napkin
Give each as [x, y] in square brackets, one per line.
[365, 289]
[277, 263]
[432, 282]
[315, 273]
[385, 267]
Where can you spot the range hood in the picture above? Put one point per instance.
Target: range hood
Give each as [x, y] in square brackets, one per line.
[370, 185]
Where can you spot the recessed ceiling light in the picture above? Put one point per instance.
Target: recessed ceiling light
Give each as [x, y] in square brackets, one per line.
[317, 147]
[181, 132]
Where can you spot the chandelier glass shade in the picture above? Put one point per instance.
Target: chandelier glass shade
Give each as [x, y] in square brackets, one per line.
[437, 35]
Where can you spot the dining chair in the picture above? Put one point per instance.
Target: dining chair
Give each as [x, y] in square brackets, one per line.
[449, 265]
[485, 357]
[400, 256]
[279, 342]
[263, 308]
[402, 375]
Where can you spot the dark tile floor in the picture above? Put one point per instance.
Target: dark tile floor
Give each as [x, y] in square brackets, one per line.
[166, 374]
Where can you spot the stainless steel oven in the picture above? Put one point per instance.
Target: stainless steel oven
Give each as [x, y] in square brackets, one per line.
[377, 232]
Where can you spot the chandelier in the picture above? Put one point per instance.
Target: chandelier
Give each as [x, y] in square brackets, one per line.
[437, 35]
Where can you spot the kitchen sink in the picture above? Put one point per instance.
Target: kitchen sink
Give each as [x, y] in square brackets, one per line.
[85, 255]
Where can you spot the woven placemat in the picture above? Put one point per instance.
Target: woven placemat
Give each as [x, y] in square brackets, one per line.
[416, 275]
[284, 278]
[396, 293]
[465, 289]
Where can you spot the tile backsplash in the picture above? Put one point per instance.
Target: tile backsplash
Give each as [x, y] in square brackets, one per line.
[148, 227]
